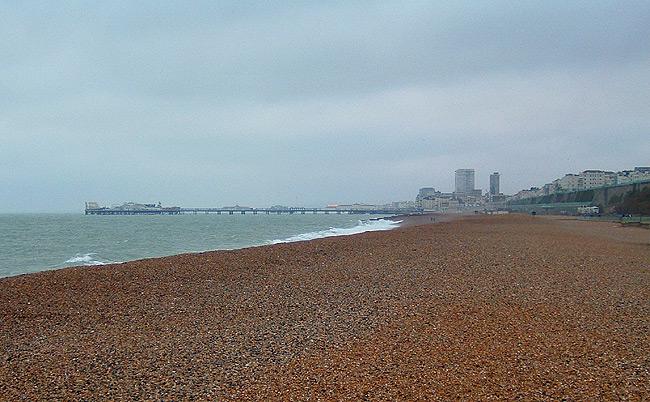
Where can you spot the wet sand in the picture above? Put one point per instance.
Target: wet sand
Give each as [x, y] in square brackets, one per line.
[480, 307]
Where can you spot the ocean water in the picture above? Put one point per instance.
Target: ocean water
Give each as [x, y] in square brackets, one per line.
[38, 242]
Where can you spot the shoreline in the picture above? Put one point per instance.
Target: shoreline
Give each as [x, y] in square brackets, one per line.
[290, 239]
[403, 221]
[501, 306]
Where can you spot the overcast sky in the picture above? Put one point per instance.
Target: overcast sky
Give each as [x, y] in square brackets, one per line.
[217, 103]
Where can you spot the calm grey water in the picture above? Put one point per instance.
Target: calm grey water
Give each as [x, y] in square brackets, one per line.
[37, 242]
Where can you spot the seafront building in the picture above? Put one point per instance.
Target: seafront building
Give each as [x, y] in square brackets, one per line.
[465, 190]
[440, 204]
[425, 192]
[639, 173]
[355, 207]
[429, 199]
[465, 194]
[404, 206]
[495, 196]
[585, 180]
[464, 181]
[598, 178]
[494, 183]
[570, 182]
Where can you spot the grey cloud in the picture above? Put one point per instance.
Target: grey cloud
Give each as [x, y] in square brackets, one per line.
[313, 102]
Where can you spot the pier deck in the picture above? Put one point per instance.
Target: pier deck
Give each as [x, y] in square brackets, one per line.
[253, 211]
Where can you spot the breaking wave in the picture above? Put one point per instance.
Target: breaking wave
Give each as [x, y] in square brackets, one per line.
[86, 259]
[363, 226]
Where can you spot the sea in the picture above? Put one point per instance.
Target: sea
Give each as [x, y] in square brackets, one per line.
[39, 242]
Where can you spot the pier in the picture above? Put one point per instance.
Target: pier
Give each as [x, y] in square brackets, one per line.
[243, 211]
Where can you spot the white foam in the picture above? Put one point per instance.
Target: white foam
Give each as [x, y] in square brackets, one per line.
[363, 226]
[86, 259]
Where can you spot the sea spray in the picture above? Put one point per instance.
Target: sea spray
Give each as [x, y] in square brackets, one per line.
[363, 226]
[86, 259]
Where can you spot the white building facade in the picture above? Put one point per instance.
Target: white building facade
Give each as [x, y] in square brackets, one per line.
[598, 178]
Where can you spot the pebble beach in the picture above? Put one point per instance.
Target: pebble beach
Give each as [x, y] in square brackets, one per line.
[480, 307]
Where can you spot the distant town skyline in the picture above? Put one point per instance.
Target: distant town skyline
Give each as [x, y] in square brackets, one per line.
[218, 103]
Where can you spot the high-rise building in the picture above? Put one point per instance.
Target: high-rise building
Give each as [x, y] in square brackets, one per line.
[465, 181]
[494, 183]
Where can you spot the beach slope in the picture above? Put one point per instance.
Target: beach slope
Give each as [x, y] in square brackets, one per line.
[479, 307]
